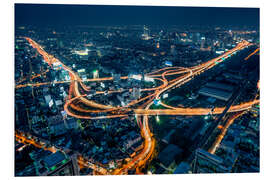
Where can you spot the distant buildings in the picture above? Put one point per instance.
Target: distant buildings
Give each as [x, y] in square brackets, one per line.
[146, 33]
[202, 42]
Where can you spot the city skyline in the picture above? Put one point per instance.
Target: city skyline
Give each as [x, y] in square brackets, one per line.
[47, 14]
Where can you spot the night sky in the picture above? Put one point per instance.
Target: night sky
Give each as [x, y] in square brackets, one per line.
[46, 14]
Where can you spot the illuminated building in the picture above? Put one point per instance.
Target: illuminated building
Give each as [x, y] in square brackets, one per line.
[95, 74]
[81, 52]
[48, 100]
[146, 33]
[165, 95]
[148, 79]
[168, 63]
[58, 164]
[157, 45]
[137, 77]
[202, 42]
[219, 51]
[80, 71]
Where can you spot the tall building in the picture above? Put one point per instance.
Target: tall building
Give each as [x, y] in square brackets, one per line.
[58, 164]
[95, 74]
[202, 42]
[146, 33]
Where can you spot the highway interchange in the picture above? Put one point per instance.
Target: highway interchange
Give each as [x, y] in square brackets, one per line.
[78, 100]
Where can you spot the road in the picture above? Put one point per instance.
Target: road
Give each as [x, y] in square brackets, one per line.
[224, 129]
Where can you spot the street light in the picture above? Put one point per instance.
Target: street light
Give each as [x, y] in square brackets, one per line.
[157, 119]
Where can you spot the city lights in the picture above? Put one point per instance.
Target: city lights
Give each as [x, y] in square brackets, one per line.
[157, 119]
[95, 74]
[136, 99]
[137, 77]
[149, 79]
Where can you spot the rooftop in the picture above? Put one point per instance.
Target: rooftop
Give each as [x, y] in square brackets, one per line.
[218, 94]
[54, 159]
[168, 154]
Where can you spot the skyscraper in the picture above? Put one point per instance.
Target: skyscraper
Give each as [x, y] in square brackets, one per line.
[95, 74]
[146, 33]
[202, 42]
